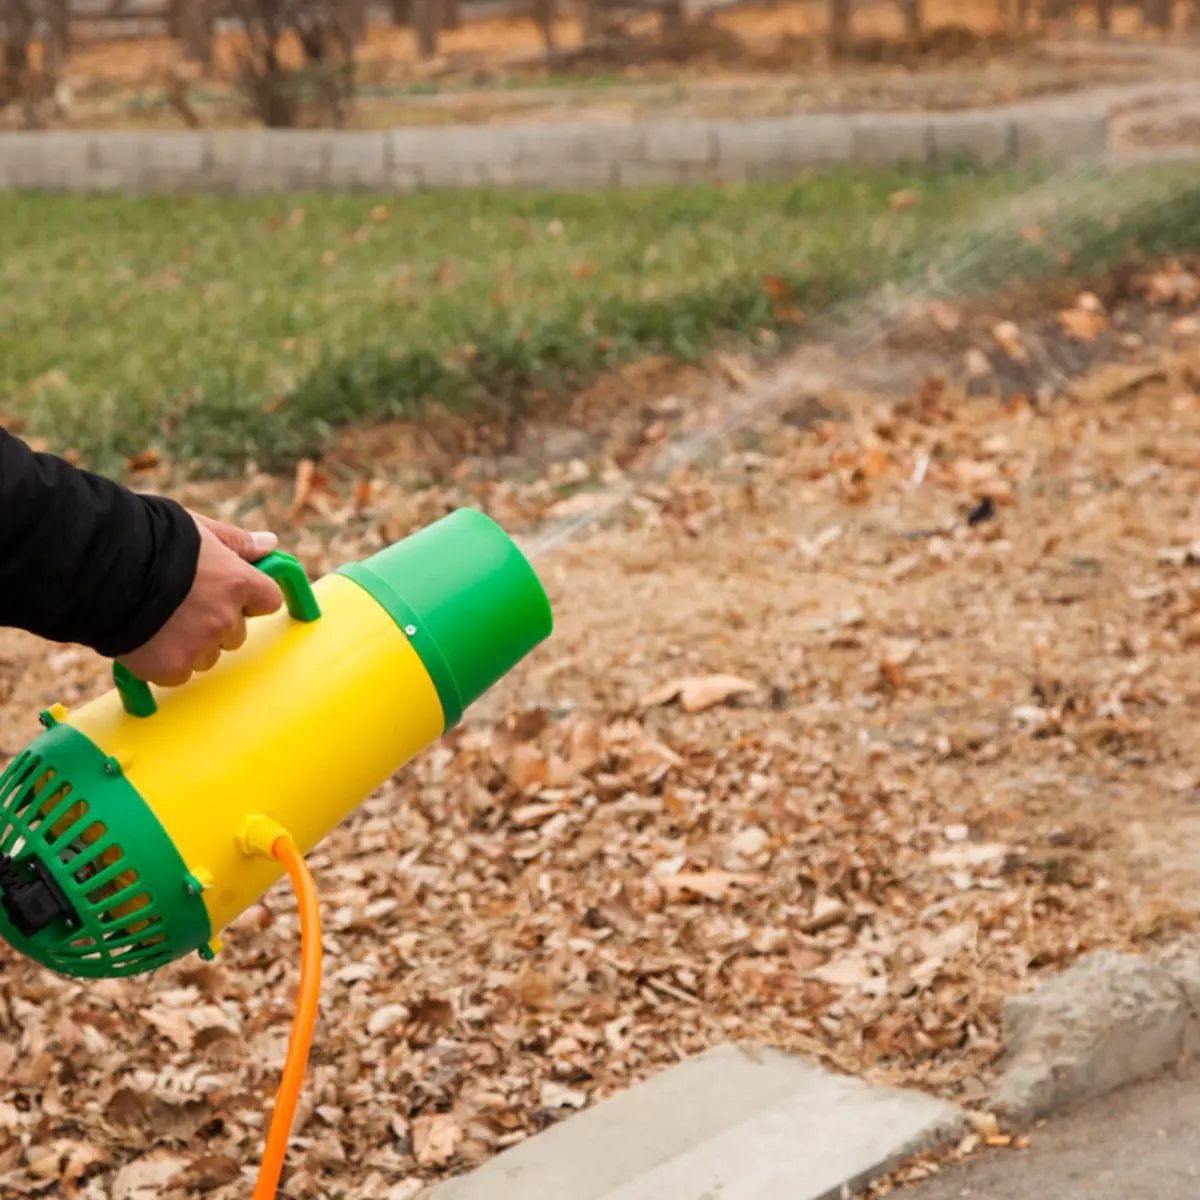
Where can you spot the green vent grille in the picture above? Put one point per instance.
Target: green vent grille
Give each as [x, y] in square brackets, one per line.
[68, 811]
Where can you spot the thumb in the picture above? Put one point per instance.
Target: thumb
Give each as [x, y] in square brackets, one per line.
[247, 545]
[263, 595]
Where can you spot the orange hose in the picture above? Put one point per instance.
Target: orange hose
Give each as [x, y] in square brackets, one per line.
[302, 1025]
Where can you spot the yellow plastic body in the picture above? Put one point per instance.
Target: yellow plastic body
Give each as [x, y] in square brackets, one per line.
[299, 727]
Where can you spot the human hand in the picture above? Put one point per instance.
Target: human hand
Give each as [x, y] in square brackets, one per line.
[212, 618]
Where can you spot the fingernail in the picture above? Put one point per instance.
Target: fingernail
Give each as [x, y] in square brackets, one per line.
[264, 543]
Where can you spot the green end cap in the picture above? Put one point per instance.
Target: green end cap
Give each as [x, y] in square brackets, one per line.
[466, 597]
[77, 837]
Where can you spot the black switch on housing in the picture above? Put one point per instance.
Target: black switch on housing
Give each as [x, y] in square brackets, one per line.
[31, 897]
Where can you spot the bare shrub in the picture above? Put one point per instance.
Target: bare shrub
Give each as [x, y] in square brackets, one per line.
[296, 66]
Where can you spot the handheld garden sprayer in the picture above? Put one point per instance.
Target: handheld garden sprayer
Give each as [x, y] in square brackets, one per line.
[133, 830]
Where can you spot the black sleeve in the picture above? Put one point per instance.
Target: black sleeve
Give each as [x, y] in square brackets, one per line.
[85, 560]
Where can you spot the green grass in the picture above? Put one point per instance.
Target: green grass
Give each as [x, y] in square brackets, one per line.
[218, 331]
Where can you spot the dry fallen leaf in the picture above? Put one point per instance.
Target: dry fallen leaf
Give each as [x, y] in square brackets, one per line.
[1008, 337]
[556, 1095]
[972, 474]
[45, 1162]
[902, 201]
[386, 1018]
[80, 1159]
[364, 492]
[874, 463]
[900, 650]
[147, 1178]
[1173, 285]
[209, 1172]
[527, 768]
[826, 912]
[734, 369]
[849, 971]
[436, 1139]
[947, 317]
[143, 461]
[985, 1124]
[710, 885]
[173, 1024]
[577, 504]
[302, 487]
[1117, 381]
[777, 288]
[1083, 324]
[977, 363]
[695, 693]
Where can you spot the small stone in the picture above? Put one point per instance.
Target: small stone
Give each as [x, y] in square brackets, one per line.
[1108, 1021]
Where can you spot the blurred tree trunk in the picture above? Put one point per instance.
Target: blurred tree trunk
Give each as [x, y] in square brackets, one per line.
[674, 18]
[60, 29]
[543, 15]
[1056, 10]
[1013, 14]
[354, 14]
[451, 14]
[17, 83]
[402, 12]
[18, 34]
[426, 16]
[1157, 14]
[841, 26]
[191, 22]
[593, 23]
[1104, 15]
[914, 19]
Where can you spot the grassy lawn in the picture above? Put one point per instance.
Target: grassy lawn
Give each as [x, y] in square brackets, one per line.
[217, 330]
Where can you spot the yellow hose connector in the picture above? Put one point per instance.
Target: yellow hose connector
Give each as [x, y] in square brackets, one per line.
[258, 835]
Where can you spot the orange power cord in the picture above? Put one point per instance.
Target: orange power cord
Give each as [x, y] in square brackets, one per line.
[302, 1025]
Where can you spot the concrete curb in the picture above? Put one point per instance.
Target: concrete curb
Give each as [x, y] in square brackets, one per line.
[1110, 1020]
[557, 156]
[747, 1123]
[739, 1122]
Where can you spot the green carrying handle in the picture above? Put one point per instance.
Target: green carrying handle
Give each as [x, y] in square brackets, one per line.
[301, 603]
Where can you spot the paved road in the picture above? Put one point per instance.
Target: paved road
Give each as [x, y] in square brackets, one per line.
[1140, 1144]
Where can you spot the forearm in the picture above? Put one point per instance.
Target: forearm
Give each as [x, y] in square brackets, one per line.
[85, 560]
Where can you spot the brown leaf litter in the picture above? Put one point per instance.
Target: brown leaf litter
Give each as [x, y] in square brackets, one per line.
[834, 772]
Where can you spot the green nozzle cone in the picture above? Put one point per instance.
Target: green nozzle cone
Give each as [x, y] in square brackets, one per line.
[466, 597]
